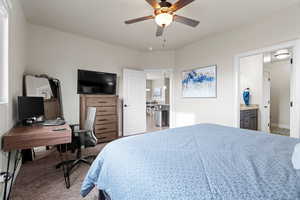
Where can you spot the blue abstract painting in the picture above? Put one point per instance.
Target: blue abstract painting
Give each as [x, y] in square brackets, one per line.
[201, 82]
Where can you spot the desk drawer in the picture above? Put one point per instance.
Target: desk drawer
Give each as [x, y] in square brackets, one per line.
[106, 111]
[101, 102]
[106, 119]
[104, 128]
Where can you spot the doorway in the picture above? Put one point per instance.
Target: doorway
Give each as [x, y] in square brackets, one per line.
[147, 100]
[158, 99]
[277, 92]
[270, 74]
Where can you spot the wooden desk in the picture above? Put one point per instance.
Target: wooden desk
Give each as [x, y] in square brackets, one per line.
[27, 137]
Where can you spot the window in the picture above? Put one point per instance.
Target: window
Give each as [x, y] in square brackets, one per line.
[3, 52]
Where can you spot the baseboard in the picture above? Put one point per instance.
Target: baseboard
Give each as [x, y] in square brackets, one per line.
[280, 125]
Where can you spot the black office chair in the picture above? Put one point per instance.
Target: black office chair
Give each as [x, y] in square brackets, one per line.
[81, 138]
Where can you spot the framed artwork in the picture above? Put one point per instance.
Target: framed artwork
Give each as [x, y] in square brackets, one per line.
[200, 82]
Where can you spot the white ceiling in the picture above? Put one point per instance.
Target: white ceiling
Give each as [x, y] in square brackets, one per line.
[104, 19]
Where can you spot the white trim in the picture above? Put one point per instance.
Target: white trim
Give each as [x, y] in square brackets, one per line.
[295, 44]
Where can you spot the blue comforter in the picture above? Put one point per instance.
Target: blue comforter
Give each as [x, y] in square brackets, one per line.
[205, 161]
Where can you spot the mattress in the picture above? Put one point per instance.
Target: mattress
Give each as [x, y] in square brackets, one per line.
[201, 162]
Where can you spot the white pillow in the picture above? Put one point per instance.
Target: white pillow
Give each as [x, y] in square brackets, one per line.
[296, 157]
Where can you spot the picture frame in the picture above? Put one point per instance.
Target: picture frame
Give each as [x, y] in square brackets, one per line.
[200, 82]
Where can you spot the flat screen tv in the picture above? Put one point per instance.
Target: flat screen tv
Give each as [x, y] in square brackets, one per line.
[91, 82]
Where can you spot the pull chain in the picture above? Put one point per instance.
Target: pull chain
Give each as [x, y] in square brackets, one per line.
[164, 43]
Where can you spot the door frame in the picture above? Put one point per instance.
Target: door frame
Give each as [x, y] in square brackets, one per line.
[172, 110]
[269, 100]
[295, 45]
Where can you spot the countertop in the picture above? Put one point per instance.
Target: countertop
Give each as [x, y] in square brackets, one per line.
[250, 107]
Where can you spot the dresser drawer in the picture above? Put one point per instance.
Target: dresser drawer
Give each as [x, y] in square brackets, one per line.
[104, 128]
[101, 102]
[107, 115]
[107, 137]
[106, 119]
[106, 111]
[248, 119]
[107, 134]
[249, 113]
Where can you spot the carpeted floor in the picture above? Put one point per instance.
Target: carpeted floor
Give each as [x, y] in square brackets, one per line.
[39, 180]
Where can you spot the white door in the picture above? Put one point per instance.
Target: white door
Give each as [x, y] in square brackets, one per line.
[134, 105]
[265, 113]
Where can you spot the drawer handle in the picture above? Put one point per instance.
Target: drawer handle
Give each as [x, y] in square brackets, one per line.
[103, 102]
[100, 129]
[102, 120]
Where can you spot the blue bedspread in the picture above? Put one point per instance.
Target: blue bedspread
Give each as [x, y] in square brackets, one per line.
[205, 161]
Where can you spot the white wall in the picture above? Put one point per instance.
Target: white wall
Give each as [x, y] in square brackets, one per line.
[280, 93]
[17, 63]
[251, 76]
[156, 59]
[220, 49]
[60, 54]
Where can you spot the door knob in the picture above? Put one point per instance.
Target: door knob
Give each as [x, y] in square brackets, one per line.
[265, 106]
[125, 105]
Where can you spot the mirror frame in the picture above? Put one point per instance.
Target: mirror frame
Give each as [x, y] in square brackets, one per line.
[51, 80]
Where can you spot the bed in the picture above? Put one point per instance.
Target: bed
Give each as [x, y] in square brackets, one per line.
[201, 162]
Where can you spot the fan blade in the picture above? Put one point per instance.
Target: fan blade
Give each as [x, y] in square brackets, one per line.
[180, 4]
[159, 31]
[186, 21]
[153, 3]
[139, 19]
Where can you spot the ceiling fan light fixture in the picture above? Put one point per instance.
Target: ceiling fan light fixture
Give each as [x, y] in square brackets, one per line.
[164, 19]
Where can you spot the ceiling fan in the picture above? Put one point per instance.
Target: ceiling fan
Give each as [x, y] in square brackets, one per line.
[164, 15]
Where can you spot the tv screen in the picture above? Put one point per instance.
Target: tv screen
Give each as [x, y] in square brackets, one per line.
[91, 82]
[29, 107]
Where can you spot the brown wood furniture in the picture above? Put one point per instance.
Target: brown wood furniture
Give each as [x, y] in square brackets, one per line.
[106, 122]
[26, 137]
[249, 118]
[52, 108]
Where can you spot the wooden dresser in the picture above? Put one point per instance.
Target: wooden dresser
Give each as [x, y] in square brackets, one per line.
[106, 123]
